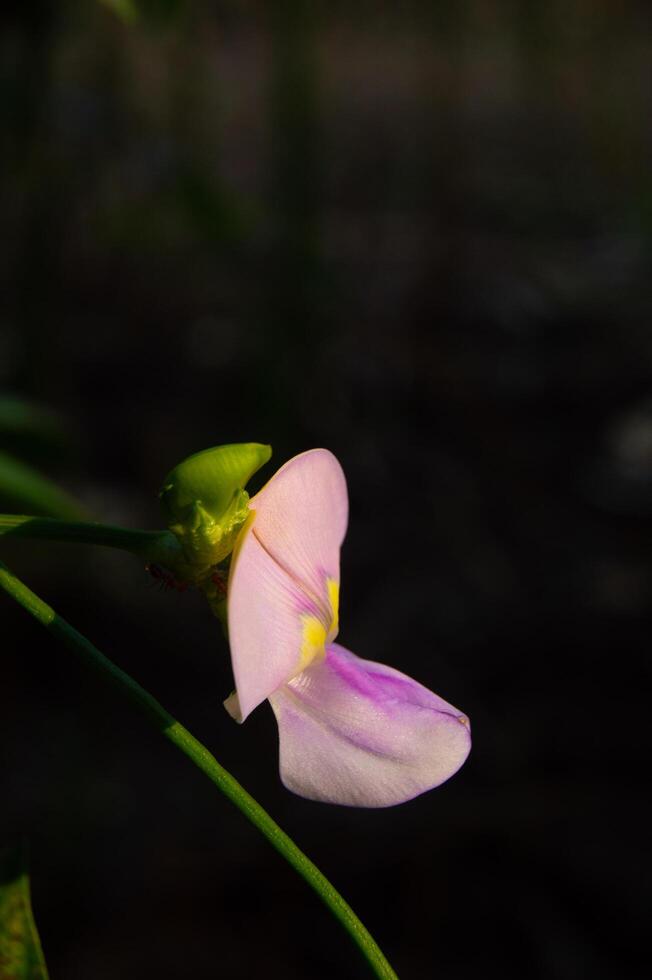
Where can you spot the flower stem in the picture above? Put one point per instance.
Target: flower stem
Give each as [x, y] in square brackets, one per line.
[159, 546]
[202, 758]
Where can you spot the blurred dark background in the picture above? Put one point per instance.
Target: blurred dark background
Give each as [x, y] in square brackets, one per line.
[419, 235]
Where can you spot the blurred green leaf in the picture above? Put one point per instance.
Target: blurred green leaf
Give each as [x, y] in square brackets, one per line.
[24, 418]
[132, 11]
[21, 956]
[125, 9]
[26, 489]
[29, 430]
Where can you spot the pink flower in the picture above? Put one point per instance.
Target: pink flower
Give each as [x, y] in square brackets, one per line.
[351, 731]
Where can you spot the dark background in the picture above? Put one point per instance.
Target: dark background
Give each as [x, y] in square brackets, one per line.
[418, 234]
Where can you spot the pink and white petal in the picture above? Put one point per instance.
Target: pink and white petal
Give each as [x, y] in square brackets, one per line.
[265, 607]
[301, 519]
[359, 733]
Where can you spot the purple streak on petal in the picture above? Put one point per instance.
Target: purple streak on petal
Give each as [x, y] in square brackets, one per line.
[362, 734]
[393, 683]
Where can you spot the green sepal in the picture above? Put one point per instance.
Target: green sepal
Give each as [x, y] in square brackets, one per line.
[21, 956]
[205, 502]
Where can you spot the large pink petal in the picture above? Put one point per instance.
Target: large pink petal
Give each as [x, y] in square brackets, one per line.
[284, 557]
[301, 518]
[265, 609]
[362, 734]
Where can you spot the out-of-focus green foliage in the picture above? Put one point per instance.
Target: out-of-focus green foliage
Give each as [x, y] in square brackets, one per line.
[125, 9]
[21, 956]
[22, 417]
[131, 11]
[26, 431]
[27, 490]
[30, 430]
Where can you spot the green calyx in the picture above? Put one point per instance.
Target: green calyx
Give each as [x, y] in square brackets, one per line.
[205, 503]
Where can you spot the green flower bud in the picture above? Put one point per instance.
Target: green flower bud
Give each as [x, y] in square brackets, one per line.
[205, 502]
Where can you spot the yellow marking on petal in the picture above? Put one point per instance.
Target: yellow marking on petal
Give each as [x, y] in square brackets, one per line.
[314, 635]
[313, 642]
[334, 598]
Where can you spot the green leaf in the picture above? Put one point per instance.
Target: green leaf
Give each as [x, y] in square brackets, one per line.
[21, 956]
[28, 490]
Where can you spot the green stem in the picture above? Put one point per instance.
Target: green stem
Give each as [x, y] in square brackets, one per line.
[159, 546]
[202, 758]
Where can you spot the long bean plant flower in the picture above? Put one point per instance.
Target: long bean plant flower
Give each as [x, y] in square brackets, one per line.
[351, 731]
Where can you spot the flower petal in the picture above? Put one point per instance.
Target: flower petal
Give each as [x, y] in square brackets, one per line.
[362, 734]
[301, 518]
[279, 592]
[267, 612]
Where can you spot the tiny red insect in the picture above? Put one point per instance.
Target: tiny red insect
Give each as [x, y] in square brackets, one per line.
[165, 579]
[218, 581]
